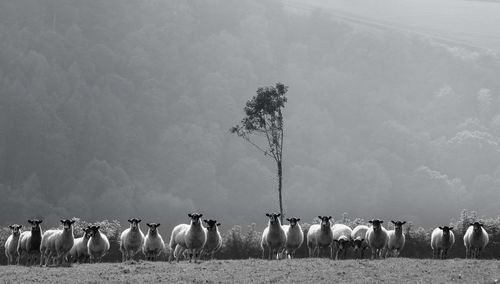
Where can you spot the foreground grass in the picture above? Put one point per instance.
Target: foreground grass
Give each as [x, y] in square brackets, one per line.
[257, 271]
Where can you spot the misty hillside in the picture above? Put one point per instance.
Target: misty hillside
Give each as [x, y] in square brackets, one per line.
[116, 109]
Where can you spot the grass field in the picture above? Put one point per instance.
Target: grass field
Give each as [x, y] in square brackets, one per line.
[393, 270]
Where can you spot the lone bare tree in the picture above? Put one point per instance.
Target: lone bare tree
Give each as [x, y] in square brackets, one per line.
[264, 119]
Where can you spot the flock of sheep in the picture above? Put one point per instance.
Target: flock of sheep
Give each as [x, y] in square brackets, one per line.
[324, 238]
[60, 247]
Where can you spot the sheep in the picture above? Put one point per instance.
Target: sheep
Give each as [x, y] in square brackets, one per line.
[442, 239]
[60, 243]
[153, 243]
[274, 237]
[341, 239]
[29, 242]
[131, 240]
[320, 237]
[396, 240]
[214, 239]
[12, 243]
[79, 251]
[98, 244]
[44, 250]
[191, 237]
[294, 236]
[377, 238]
[475, 239]
[359, 239]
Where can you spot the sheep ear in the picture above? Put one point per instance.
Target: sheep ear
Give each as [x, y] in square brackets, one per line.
[200, 215]
[218, 224]
[371, 222]
[11, 226]
[330, 217]
[206, 221]
[288, 219]
[277, 215]
[404, 222]
[268, 215]
[72, 221]
[190, 215]
[451, 228]
[158, 225]
[148, 224]
[129, 220]
[298, 219]
[98, 227]
[392, 221]
[320, 217]
[440, 228]
[62, 221]
[138, 221]
[381, 222]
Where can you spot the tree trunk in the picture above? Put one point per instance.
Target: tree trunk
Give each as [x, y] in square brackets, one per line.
[280, 175]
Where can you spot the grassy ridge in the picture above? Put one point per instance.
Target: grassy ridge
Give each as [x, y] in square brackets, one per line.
[258, 271]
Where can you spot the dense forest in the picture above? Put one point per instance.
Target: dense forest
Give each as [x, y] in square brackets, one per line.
[120, 108]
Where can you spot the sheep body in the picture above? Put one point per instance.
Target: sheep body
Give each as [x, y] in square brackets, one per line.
[377, 238]
[320, 237]
[98, 244]
[12, 243]
[442, 239]
[341, 239]
[396, 241]
[294, 236]
[274, 237]
[475, 240]
[44, 250]
[29, 242]
[153, 243]
[79, 251]
[214, 239]
[191, 237]
[359, 239]
[131, 240]
[60, 242]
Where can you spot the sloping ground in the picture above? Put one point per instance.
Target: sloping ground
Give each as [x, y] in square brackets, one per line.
[256, 271]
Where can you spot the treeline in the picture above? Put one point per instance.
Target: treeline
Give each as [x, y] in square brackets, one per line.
[244, 243]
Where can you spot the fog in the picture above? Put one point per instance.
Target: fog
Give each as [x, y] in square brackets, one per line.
[119, 109]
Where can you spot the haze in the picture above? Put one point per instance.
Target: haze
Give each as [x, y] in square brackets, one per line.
[121, 108]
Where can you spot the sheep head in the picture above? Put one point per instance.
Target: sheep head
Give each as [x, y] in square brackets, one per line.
[94, 230]
[153, 227]
[398, 225]
[273, 218]
[134, 224]
[293, 221]
[377, 224]
[477, 227]
[15, 229]
[357, 244]
[35, 225]
[211, 224]
[325, 221]
[67, 224]
[343, 242]
[446, 230]
[195, 218]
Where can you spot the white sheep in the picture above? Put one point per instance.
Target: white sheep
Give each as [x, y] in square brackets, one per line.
[214, 239]
[60, 243]
[341, 239]
[359, 239]
[12, 243]
[153, 243]
[79, 252]
[396, 240]
[191, 237]
[273, 237]
[442, 239]
[44, 250]
[131, 240]
[475, 239]
[294, 236]
[377, 238]
[98, 244]
[320, 237]
[29, 242]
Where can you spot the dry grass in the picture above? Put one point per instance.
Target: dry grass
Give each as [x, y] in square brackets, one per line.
[257, 271]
